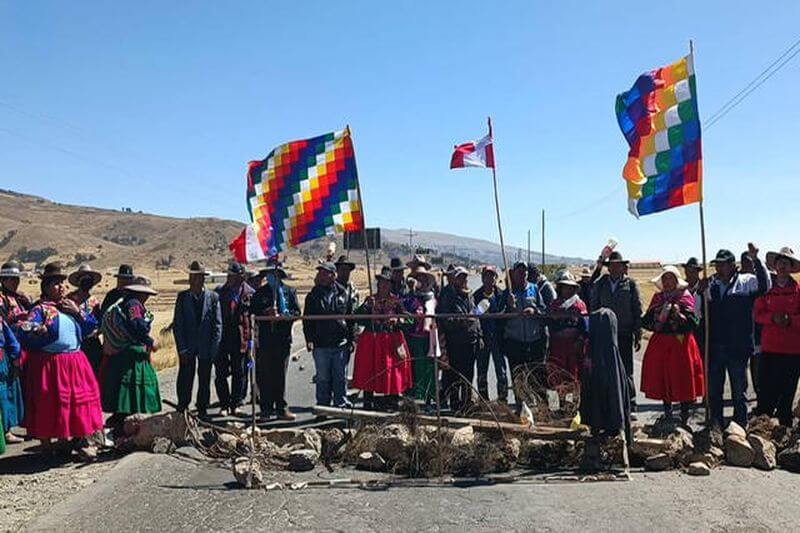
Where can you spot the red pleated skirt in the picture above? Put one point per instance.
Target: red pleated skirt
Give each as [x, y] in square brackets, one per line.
[62, 398]
[672, 370]
[377, 367]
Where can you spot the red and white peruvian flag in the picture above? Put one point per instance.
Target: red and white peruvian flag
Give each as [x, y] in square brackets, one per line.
[247, 247]
[474, 154]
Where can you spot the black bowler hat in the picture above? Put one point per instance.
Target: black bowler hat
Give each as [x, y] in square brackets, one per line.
[124, 272]
[692, 264]
[616, 257]
[724, 256]
[396, 264]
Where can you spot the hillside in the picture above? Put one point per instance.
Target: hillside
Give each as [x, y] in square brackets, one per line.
[36, 230]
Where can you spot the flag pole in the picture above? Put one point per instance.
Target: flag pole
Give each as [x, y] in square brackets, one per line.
[363, 217]
[497, 209]
[706, 321]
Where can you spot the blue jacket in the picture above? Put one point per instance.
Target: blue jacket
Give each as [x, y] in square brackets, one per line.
[197, 338]
[525, 329]
[730, 309]
[8, 344]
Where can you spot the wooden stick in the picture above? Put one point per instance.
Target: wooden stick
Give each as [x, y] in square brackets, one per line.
[497, 210]
[539, 431]
[706, 321]
[363, 218]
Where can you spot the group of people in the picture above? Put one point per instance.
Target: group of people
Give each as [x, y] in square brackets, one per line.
[66, 358]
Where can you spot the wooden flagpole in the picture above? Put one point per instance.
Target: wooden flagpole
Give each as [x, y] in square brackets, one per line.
[363, 217]
[497, 209]
[706, 321]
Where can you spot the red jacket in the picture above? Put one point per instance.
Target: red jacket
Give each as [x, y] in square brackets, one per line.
[775, 339]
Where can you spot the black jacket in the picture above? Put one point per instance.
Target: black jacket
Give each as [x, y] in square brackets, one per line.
[730, 309]
[331, 300]
[625, 302]
[458, 330]
[260, 304]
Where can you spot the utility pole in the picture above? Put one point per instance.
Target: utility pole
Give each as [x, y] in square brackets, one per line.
[529, 247]
[542, 237]
[411, 236]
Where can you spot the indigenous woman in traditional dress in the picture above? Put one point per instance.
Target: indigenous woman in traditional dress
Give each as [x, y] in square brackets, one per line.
[672, 370]
[85, 279]
[129, 382]
[14, 305]
[567, 329]
[382, 362]
[62, 399]
[421, 301]
[11, 400]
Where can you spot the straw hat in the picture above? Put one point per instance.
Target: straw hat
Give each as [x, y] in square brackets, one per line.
[670, 269]
[418, 261]
[586, 272]
[83, 271]
[421, 273]
[141, 285]
[786, 253]
[565, 277]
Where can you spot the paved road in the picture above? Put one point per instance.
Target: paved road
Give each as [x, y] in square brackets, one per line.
[172, 493]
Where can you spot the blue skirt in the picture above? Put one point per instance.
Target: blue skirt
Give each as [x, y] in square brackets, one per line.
[11, 401]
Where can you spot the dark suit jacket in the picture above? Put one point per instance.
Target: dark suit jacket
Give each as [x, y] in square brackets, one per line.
[193, 338]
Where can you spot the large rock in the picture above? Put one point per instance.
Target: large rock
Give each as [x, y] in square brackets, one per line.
[142, 429]
[297, 439]
[303, 460]
[735, 429]
[242, 472]
[765, 452]
[658, 462]
[371, 461]
[790, 458]
[738, 451]
[463, 437]
[763, 426]
[708, 438]
[393, 443]
[698, 469]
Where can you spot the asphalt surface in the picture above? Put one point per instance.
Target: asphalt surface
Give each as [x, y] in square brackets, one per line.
[147, 492]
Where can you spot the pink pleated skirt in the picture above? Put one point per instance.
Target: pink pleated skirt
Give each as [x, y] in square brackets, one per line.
[62, 398]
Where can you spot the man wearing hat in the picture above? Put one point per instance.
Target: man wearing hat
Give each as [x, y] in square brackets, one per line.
[489, 298]
[84, 279]
[13, 304]
[344, 268]
[274, 342]
[124, 277]
[234, 301]
[463, 340]
[619, 292]
[524, 338]
[329, 340]
[586, 281]
[398, 269]
[543, 285]
[731, 295]
[691, 271]
[197, 328]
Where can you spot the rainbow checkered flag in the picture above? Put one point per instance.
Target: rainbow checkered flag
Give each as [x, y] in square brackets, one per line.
[659, 119]
[303, 190]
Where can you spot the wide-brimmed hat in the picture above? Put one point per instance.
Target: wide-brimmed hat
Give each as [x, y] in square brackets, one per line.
[786, 253]
[418, 261]
[724, 256]
[327, 266]
[236, 269]
[53, 270]
[141, 285]
[10, 269]
[670, 269]
[460, 271]
[586, 272]
[396, 264]
[385, 274]
[344, 262]
[692, 264]
[615, 257]
[423, 273]
[125, 272]
[273, 269]
[83, 271]
[196, 267]
[565, 277]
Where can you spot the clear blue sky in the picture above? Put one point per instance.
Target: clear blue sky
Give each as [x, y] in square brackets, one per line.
[159, 105]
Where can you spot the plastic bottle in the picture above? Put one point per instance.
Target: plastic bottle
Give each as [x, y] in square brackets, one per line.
[608, 248]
